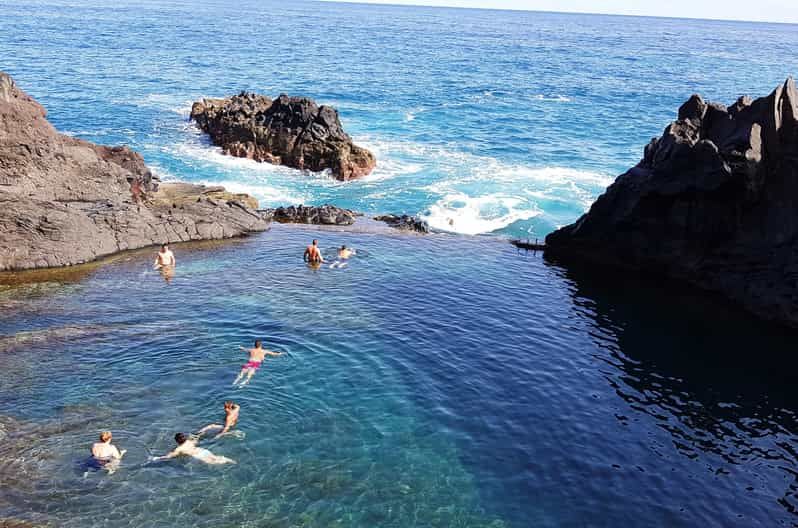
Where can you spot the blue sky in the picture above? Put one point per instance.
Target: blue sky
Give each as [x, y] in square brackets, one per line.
[759, 10]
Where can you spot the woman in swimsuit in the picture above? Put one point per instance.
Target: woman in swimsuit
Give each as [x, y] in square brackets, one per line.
[187, 446]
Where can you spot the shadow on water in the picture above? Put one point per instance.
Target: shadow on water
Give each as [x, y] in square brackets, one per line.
[719, 381]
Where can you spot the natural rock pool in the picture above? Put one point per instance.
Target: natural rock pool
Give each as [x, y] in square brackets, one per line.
[434, 381]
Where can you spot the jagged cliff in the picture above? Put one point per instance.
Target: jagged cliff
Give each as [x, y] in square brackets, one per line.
[714, 202]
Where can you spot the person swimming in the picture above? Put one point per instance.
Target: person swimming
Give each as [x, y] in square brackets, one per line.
[345, 252]
[187, 446]
[105, 454]
[231, 411]
[165, 258]
[313, 254]
[256, 357]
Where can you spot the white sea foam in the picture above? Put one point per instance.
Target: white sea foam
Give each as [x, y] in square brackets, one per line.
[472, 215]
[557, 98]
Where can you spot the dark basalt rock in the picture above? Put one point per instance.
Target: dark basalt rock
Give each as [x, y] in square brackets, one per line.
[714, 202]
[65, 201]
[319, 215]
[291, 131]
[405, 222]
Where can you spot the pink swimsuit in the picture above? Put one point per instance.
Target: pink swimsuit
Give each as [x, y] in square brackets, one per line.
[252, 364]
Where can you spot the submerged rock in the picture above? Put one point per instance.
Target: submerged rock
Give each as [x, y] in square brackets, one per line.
[66, 201]
[714, 202]
[291, 131]
[405, 222]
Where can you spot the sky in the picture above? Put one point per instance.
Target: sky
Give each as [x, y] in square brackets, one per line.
[758, 10]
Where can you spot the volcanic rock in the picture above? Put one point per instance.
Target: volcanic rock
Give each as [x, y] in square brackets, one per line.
[66, 201]
[319, 215]
[291, 131]
[713, 202]
[405, 222]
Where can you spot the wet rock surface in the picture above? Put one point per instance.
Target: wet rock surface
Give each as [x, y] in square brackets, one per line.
[318, 215]
[405, 223]
[713, 202]
[291, 131]
[66, 201]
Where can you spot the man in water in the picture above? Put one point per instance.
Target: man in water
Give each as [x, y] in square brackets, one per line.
[256, 357]
[165, 258]
[312, 254]
[345, 252]
[187, 446]
[231, 410]
[105, 453]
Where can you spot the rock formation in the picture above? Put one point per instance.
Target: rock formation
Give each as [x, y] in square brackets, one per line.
[405, 223]
[291, 131]
[318, 215]
[714, 202]
[66, 201]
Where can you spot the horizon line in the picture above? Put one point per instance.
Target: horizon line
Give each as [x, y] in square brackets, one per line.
[589, 13]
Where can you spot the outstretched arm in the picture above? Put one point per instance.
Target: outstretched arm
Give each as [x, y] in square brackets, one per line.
[167, 456]
[272, 353]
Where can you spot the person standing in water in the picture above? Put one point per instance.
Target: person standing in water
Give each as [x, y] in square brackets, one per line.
[187, 446]
[105, 453]
[165, 258]
[231, 410]
[256, 357]
[313, 254]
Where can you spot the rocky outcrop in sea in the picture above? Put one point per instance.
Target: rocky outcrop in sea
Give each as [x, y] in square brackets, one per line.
[317, 215]
[66, 201]
[291, 131]
[713, 202]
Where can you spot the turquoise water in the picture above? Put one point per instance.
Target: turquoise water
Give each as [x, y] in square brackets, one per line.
[435, 381]
[440, 381]
[502, 122]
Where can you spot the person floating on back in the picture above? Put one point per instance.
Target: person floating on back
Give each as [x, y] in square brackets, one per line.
[187, 446]
[106, 454]
[165, 258]
[344, 253]
[231, 411]
[312, 254]
[256, 357]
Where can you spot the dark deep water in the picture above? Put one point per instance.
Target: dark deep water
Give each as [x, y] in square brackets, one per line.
[435, 381]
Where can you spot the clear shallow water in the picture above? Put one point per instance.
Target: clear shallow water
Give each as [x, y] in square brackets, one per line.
[435, 381]
[502, 122]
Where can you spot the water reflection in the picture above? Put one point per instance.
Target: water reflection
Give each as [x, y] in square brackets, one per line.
[719, 382]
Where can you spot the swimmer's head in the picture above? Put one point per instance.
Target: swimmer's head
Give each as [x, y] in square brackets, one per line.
[315, 242]
[164, 247]
[257, 343]
[105, 436]
[343, 248]
[228, 405]
[180, 438]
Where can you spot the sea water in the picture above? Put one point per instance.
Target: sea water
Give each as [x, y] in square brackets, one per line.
[434, 381]
[481, 121]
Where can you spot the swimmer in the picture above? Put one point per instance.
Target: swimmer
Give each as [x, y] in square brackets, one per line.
[165, 258]
[345, 252]
[256, 357]
[313, 254]
[187, 446]
[231, 410]
[105, 453]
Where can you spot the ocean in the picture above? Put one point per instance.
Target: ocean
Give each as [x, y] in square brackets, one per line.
[435, 381]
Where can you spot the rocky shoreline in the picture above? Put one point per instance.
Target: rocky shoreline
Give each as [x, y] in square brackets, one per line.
[713, 202]
[65, 201]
